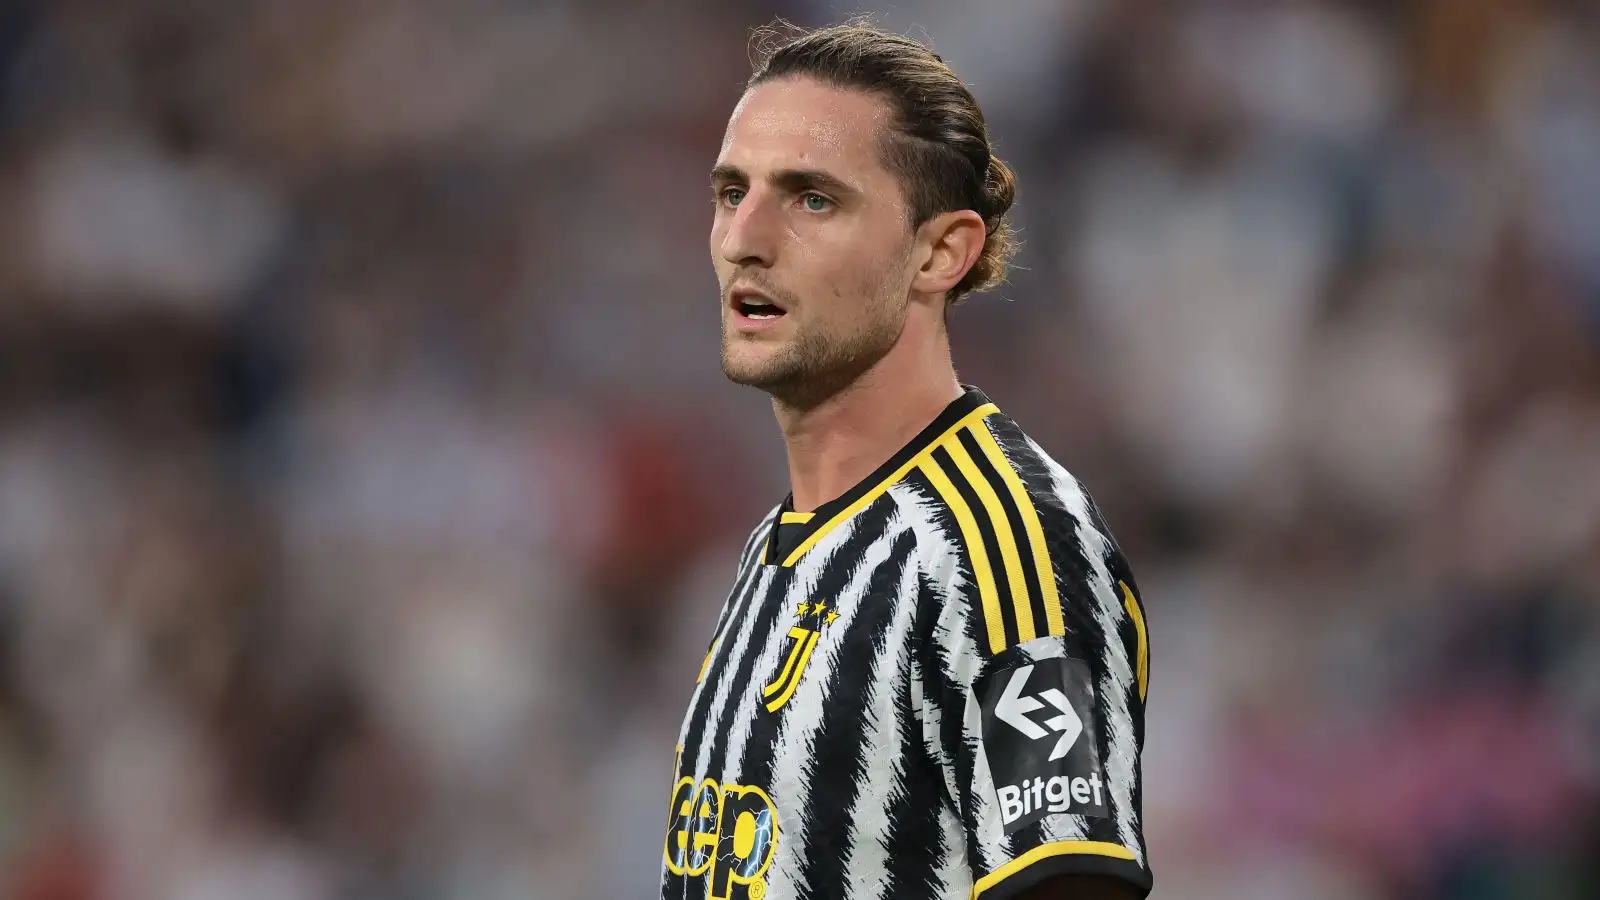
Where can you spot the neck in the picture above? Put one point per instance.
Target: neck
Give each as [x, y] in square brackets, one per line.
[836, 443]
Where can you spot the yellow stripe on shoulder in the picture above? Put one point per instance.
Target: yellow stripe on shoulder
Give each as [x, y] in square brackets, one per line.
[1039, 551]
[981, 570]
[1020, 606]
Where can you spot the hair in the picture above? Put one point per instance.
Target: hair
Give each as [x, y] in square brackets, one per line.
[938, 146]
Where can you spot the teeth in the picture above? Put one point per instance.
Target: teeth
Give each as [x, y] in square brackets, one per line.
[757, 310]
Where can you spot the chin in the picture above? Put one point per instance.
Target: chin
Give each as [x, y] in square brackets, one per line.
[764, 374]
[756, 363]
[787, 382]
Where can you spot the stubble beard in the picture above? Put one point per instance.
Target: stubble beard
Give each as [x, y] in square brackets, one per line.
[814, 366]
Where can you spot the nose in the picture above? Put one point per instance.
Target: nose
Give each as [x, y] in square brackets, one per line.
[750, 232]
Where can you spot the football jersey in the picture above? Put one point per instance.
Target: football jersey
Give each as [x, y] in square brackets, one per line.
[932, 686]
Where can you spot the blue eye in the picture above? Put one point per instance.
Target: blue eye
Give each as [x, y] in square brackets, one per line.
[817, 202]
[732, 196]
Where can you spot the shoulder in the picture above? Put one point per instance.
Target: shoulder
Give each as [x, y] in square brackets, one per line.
[1073, 527]
[991, 490]
[1018, 542]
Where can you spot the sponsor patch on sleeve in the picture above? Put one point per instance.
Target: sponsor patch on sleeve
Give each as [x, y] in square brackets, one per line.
[1039, 739]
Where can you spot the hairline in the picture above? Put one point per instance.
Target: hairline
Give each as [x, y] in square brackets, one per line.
[892, 138]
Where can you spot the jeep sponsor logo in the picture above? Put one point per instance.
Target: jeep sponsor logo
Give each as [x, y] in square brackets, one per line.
[724, 833]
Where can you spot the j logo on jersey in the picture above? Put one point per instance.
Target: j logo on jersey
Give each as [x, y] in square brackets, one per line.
[726, 834]
[813, 617]
[1038, 737]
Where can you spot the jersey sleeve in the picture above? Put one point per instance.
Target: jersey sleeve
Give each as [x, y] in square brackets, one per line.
[1035, 707]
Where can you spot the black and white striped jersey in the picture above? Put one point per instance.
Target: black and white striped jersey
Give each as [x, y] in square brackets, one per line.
[931, 687]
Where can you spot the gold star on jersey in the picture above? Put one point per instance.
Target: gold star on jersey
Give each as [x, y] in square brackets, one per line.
[930, 687]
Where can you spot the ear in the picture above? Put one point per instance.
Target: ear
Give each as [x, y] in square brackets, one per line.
[948, 245]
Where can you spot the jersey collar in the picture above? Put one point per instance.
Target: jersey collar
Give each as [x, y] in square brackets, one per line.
[801, 531]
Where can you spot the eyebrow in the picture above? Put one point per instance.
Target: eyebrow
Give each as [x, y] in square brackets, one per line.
[791, 180]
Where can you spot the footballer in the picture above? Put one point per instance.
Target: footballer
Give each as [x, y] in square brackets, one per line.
[928, 681]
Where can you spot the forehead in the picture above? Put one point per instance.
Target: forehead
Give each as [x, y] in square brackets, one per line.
[801, 122]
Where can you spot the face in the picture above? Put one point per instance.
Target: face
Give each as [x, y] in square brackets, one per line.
[811, 240]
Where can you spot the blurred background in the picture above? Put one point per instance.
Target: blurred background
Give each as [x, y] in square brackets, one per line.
[368, 483]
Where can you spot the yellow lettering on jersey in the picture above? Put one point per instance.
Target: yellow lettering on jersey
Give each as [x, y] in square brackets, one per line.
[729, 834]
[746, 843]
[692, 840]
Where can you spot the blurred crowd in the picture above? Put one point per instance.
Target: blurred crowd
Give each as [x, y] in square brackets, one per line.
[368, 483]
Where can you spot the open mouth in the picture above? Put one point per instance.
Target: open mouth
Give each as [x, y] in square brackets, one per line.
[758, 309]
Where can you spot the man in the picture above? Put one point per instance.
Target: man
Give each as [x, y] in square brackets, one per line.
[929, 678]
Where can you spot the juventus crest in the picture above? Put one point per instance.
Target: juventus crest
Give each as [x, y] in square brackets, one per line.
[812, 618]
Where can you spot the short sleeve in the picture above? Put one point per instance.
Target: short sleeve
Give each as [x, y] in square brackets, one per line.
[1041, 738]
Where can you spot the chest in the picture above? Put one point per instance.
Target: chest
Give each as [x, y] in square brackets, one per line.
[801, 655]
[805, 695]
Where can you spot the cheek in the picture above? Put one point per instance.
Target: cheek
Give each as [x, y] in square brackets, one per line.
[856, 256]
[714, 240]
[880, 276]
[843, 278]
[719, 262]
[850, 275]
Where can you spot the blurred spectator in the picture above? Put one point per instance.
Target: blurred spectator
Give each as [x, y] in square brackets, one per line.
[368, 485]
